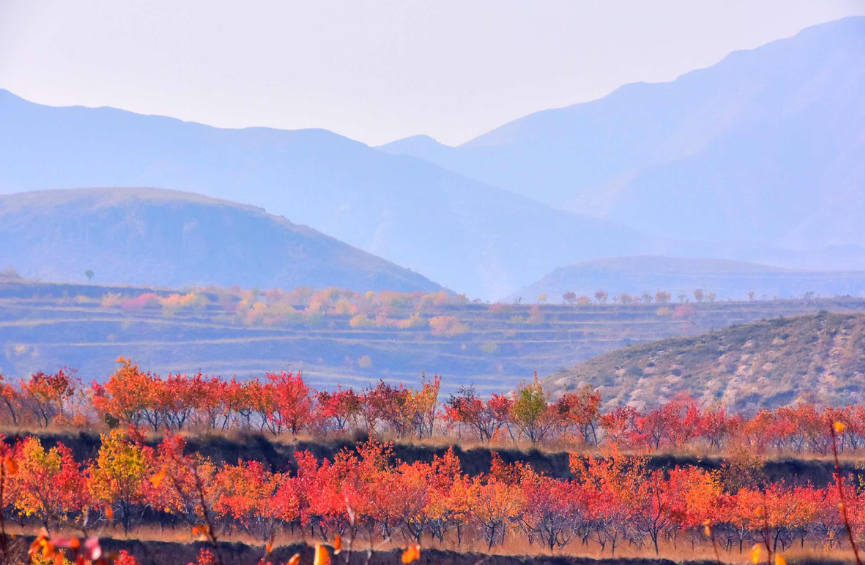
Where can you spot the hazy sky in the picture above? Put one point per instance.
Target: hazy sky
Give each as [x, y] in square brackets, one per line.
[368, 69]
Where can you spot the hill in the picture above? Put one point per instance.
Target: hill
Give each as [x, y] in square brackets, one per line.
[400, 208]
[764, 147]
[727, 280]
[768, 363]
[148, 236]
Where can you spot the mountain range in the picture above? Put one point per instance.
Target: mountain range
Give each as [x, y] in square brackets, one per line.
[760, 157]
[766, 147]
[465, 235]
[145, 236]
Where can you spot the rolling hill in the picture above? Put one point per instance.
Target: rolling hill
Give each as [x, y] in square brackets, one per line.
[159, 237]
[726, 279]
[768, 363]
[765, 148]
[456, 231]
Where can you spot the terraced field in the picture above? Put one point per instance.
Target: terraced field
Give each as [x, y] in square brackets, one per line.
[47, 326]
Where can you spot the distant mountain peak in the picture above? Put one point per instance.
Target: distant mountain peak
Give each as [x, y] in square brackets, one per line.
[416, 146]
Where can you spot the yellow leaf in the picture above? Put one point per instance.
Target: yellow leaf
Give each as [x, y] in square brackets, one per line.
[109, 512]
[295, 559]
[840, 427]
[779, 559]
[269, 547]
[337, 544]
[755, 553]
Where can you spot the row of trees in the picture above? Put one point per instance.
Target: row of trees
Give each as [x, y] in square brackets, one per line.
[283, 403]
[660, 297]
[609, 502]
[302, 305]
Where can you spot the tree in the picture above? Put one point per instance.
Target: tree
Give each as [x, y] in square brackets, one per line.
[554, 509]
[699, 294]
[291, 400]
[387, 404]
[421, 407]
[11, 400]
[46, 394]
[662, 297]
[447, 326]
[49, 484]
[542, 298]
[530, 411]
[495, 504]
[570, 297]
[601, 296]
[656, 503]
[339, 408]
[120, 475]
[581, 409]
[89, 274]
[466, 407]
[246, 495]
[126, 395]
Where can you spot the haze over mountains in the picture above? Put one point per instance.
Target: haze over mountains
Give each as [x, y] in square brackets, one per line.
[691, 168]
[766, 147]
[724, 278]
[159, 237]
[463, 234]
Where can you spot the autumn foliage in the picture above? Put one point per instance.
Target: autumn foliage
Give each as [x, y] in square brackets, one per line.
[613, 496]
[610, 500]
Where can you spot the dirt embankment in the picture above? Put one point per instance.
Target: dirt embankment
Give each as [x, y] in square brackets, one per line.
[280, 456]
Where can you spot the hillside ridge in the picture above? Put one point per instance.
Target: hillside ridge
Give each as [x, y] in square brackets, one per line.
[770, 363]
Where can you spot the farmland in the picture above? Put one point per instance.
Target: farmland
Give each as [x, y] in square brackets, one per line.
[44, 326]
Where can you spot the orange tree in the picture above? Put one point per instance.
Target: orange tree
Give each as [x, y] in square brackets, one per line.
[246, 495]
[126, 395]
[45, 394]
[48, 485]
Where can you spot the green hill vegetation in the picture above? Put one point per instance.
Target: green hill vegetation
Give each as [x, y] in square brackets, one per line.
[769, 363]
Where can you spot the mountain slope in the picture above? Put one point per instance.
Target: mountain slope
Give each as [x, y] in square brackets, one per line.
[763, 364]
[727, 279]
[763, 147]
[457, 231]
[169, 238]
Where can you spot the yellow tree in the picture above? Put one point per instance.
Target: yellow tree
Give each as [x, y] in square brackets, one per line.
[530, 411]
[120, 476]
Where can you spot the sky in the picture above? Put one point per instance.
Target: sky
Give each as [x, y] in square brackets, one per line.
[372, 70]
